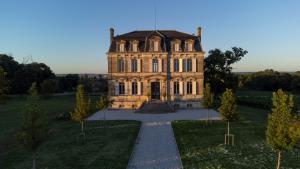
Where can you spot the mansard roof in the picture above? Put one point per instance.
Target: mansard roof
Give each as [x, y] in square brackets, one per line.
[166, 36]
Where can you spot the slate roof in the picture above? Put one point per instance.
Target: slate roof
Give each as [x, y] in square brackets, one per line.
[166, 37]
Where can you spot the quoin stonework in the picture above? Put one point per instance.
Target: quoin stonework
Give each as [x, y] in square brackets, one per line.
[162, 65]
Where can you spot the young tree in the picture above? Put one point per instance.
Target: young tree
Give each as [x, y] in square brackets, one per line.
[3, 85]
[280, 130]
[34, 130]
[81, 108]
[208, 99]
[228, 109]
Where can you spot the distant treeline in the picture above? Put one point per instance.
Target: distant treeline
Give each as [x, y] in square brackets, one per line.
[270, 80]
[20, 76]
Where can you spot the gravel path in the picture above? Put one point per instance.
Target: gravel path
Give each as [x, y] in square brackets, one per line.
[156, 147]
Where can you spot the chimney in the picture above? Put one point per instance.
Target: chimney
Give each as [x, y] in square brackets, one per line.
[112, 32]
[199, 32]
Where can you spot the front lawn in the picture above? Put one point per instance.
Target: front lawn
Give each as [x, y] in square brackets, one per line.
[201, 146]
[108, 148]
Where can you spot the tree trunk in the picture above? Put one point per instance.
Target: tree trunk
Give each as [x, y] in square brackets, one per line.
[34, 160]
[278, 160]
[228, 127]
[81, 126]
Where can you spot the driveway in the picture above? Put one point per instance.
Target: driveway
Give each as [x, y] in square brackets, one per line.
[155, 147]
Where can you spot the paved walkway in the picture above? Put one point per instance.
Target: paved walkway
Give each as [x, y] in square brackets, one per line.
[156, 146]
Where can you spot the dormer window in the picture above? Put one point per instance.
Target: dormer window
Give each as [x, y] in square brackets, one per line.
[189, 46]
[155, 48]
[135, 47]
[121, 47]
[176, 47]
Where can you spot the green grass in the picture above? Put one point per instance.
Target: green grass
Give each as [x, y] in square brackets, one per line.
[201, 146]
[105, 148]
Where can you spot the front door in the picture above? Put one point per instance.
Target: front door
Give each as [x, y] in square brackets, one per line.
[155, 90]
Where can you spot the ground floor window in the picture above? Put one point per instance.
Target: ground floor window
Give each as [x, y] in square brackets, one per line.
[189, 88]
[134, 88]
[121, 88]
[176, 87]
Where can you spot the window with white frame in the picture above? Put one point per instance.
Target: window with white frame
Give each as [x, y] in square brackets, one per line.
[176, 65]
[189, 87]
[120, 65]
[121, 88]
[134, 65]
[134, 88]
[176, 88]
[154, 65]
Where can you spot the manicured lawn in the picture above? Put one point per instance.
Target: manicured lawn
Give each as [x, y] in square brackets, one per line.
[105, 148]
[201, 146]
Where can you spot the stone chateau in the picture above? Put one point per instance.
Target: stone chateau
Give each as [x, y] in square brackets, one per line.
[161, 65]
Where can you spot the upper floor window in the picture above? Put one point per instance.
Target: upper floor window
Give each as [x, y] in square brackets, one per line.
[176, 88]
[135, 47]
[189, 87]
[176, 47]
[134, 88]
[120, 47]
[189, 65]
[154, 65]
[120, 65]
[189, 46]
[134, 65]
[176, 65]
[155, 46]
[121, 88]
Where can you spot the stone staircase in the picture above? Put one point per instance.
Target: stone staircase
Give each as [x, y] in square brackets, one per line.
[155, 107]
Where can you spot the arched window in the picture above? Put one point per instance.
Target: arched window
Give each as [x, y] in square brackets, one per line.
[154, 65]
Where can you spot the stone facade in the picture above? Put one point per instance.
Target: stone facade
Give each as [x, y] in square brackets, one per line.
[150, 65]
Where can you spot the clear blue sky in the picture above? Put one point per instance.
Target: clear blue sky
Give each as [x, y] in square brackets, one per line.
[72, 36]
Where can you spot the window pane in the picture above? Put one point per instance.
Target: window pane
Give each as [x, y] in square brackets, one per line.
[121, 88]
[176, 65]
[134, 88]
[155, 65]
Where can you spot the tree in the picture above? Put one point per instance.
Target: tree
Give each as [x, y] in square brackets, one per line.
[9, 65]
[218, 68]
[49, 87]
[228, 109]
[68, 82]
[81, 108]
[208, 99]
[280, 130]
[3, 85]
[29, 73]
[34, 130]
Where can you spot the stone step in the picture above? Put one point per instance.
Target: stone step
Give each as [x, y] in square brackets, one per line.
[155, 107]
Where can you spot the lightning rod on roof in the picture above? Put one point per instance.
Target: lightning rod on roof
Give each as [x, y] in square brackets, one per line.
[154, 14]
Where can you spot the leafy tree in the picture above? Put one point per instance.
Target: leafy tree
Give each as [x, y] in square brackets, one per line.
[68, 82]
[279, 134]
[3, 85]
[81, 108]
[9, 65]
[49, 87]
[29, 73]
[208, 99]
[218, 67]
[228, 108]
[34, 130]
